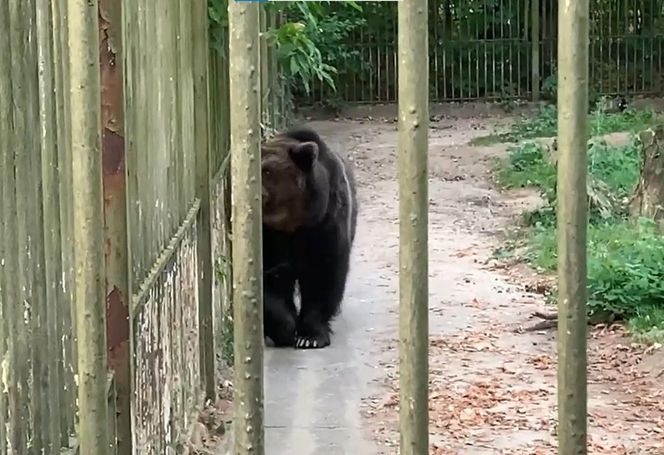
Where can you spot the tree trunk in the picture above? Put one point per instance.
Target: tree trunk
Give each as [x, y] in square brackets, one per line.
[648, 198]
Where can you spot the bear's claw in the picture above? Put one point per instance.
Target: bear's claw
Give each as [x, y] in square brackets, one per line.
[316, 342]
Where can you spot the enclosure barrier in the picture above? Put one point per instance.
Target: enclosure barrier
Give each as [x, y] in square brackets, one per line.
[162, 145]
[155, 146]
[37, 342]
[413, 229]
[572, 219]
[503, 49]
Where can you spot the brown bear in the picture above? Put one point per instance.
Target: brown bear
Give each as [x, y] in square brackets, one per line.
[309, 221]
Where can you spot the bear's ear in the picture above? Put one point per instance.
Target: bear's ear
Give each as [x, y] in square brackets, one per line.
[304, 155]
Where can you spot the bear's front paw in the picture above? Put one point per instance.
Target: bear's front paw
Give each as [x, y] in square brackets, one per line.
[312, 338]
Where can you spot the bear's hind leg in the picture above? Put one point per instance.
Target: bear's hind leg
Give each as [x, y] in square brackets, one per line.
[279, 312]
[279, 319]
[321, 289]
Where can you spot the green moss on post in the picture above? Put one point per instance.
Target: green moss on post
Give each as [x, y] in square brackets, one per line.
[247, 239]
[572, 225]
[89, 280]
[413, 216]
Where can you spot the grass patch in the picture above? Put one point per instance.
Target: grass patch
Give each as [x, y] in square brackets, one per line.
[485, 141]
[625, 257]
[544, 123]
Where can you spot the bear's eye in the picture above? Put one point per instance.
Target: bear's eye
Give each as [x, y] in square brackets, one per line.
[266, 172]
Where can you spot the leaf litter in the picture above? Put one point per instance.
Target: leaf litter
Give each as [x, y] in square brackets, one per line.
[493, 390]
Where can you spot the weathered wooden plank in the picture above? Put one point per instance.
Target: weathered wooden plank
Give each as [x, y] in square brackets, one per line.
[7, 228]
[50, 205]
[20, 327]
[66, 310]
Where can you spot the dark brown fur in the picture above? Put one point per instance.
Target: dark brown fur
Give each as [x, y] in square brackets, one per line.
[309, 220]
[283, 186]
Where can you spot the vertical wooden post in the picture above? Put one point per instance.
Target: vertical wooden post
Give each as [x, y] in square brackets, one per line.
[203, 177]
[245, 104]
[89, 288]
[118, 290]
[572, 225]
[535, 50]
[413, 224]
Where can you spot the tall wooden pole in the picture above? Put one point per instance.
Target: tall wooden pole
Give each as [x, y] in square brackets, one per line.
[245, 103]
[572, 225]
[413, 216]
[89, 280]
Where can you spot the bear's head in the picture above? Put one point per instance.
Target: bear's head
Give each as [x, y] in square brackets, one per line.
[295, 184]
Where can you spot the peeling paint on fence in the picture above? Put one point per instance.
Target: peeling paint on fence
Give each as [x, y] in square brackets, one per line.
[167, 382]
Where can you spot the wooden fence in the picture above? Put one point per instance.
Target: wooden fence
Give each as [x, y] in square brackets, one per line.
[164, 142]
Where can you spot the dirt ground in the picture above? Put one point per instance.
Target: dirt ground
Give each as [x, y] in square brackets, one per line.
[492, 386]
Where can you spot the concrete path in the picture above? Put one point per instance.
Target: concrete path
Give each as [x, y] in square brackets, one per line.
[313, 397]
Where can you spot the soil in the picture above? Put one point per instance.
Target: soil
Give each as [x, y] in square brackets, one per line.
[492, 385]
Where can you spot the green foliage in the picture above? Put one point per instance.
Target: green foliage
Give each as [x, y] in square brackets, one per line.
[312, 43]
[625, 257]
[528, 166]
[648, 323]
[603, 119]
[483, 49]
[218, 23]
[550, 87]
[613, 171]
[543, 124]
[625, 266]
[299, 57]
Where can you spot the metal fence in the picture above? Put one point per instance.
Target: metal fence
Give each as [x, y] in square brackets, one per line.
[164, 143]
[495, 49]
